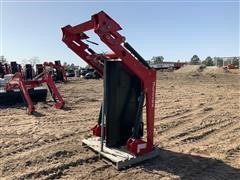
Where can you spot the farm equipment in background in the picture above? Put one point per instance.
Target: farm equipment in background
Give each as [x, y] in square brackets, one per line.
[229, 67]
[7, 70]
[70, 73]
[128, 82]
[26, 86]
[28, 72]
[59, 75]
[89, 73]
[18, 85]
[92, 75]
[170, 66]
[14, 67]
[39, 69]
[2, 70]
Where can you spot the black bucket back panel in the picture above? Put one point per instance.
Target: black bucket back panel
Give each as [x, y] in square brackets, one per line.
[59, 74]
[15, 97]
[39, 70]
[14, 68]
[28, 71]
[122, 92]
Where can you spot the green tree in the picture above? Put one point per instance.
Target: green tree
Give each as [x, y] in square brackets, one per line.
[157, 59]
[33, 61]
[72, 66]
[66, 66]
[69, 66]
[208, 61]
[3, 59]
[195, 60]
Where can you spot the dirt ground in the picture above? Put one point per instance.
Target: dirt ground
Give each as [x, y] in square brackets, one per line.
[197, 128]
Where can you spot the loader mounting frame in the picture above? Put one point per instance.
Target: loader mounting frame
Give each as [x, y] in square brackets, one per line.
[107, 30]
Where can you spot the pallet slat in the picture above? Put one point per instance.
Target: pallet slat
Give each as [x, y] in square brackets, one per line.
[120, 157]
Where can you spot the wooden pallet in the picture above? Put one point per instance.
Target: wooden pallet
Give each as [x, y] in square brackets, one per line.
[119, 157]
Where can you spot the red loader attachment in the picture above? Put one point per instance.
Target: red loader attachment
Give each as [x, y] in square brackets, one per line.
[17, 82]
[140, 83]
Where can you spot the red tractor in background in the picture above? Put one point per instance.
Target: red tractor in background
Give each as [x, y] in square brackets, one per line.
[17, 82]
[231, 66]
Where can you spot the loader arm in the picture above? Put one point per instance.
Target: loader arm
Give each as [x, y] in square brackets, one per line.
[108, 31]
[17, 82]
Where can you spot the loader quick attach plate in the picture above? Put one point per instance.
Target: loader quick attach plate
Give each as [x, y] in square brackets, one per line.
[38, 94]
[120, 157]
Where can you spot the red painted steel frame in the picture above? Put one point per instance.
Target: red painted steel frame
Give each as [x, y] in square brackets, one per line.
[24, 85]
[107, 29]
[58, 67]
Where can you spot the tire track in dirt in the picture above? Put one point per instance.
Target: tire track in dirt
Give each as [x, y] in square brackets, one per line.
[219, 145]
[187, 112]
[198, 129]
[191, 114]
[92, 171]
[179, 120]
[205, 136]
[46, 122]
[221, 132]
[47, 142]
[63, 122]
[57, 171]
[167, 122]
[15, 125]
[191, 133]
[233, 154]
[45, 158]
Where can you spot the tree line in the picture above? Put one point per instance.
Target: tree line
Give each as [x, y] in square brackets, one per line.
[195, 60]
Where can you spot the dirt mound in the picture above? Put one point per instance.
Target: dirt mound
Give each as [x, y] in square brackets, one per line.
[188, 69]
[197, 69]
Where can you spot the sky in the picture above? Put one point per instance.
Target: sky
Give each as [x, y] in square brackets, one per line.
[175, 30]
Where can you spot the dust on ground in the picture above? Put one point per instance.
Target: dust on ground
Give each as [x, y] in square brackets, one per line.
[197, 128]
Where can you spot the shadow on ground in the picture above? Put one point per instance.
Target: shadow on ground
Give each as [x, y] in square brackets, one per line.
[188, 166]
[65, 108]
[38, 114]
